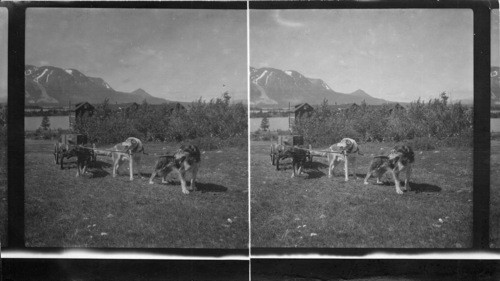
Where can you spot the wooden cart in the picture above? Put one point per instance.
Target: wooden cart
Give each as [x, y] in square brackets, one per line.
[65, 146]
[286, 142]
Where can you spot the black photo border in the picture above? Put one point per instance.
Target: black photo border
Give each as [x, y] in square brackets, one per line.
[481, 162]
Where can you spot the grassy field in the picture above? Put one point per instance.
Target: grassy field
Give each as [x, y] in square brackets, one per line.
[101, 211]
[3, 196]
[315, 211]
[495, 194]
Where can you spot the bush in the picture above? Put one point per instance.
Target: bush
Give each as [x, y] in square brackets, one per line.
[210, 124]
[426, 125]
[264, 136]
[41, 134]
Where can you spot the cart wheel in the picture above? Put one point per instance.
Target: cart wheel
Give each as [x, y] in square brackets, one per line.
[273, 156]
[56, 154]
[310, 156]
[94, 155]
[62, 158]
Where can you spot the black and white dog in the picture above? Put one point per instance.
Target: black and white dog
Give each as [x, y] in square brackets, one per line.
[348, 151]
[400, 159]
[187, 158]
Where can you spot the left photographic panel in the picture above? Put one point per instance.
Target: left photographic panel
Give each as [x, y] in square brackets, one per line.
[3, 125]
[136, 128]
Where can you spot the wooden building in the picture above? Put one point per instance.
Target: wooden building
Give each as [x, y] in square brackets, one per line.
[78, 110]
[302, 109]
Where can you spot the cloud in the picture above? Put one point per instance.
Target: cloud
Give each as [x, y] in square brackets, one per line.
[44, 63]
[263, 64]
[147, 52]
[284, 22]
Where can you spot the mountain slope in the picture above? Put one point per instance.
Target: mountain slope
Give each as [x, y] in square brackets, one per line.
[276, 88]
[48, 85]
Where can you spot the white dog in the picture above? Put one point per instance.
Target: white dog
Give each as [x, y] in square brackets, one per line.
[131, 149]
[348, 151]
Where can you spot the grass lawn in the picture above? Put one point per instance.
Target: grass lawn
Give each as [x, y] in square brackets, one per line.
[495, 194]
[101, 211]
[314, 211]
[3, 196]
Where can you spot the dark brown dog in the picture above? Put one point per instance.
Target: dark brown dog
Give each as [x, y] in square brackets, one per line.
[83, 159]
[299, 158]
[187, 158]
[400, 159]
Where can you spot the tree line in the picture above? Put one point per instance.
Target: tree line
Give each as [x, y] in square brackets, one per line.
[425, 124]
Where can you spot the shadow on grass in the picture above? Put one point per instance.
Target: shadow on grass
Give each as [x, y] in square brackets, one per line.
[316, 165]
[417, 187]
[97, 169]
[314, 174]
[203, 187]
[210, 187]
[424, 187]
[100, 165]
[312, 169]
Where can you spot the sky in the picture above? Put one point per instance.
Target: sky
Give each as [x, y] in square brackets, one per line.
[179, 55]
[397, 55]
[3, 53]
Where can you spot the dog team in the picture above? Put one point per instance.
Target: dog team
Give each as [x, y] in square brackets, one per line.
[186, 159]
[399, 160]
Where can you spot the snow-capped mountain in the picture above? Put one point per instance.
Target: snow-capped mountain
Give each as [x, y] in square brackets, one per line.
[274, 87]
[49, 85]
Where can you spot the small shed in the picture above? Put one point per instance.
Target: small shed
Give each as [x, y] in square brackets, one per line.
[173, 107]
[354, 107]
[301, 109]
[396, 108]
[78, 110]
[127, 109]
[83, 108]
[132, 107]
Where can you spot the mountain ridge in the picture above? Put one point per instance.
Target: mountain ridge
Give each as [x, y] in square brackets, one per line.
[276, 88]
[50, 85]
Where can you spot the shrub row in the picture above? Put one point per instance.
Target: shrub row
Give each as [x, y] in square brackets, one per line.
[425, 125]
[212, 124]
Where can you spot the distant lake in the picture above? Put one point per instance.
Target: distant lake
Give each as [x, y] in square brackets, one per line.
[32, 123]
[495, 125]
[275, 123]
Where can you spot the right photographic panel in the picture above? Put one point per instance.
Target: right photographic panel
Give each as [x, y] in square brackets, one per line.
[495, 132]
[361, 128]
